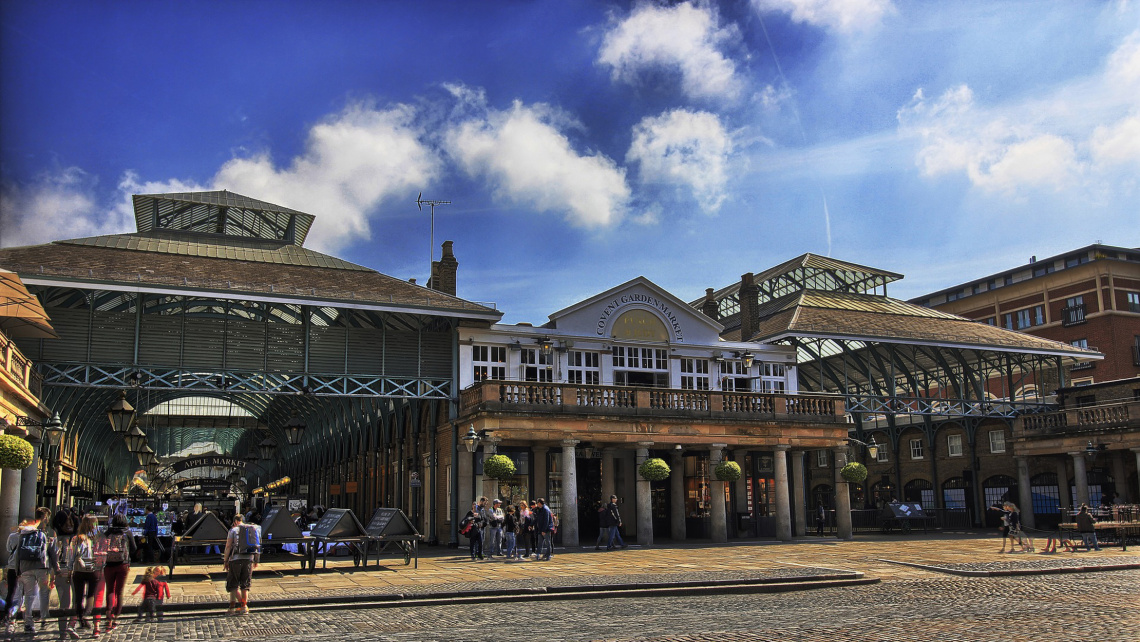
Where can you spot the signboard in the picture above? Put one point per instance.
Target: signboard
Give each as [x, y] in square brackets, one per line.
[208, 461]
[278, 524]
[334, 489]
[350, 487]
[303, 489]
[208, 527]
[206, 483]
[415, 480]
[390, 521]
[338, 523]
[906, 511]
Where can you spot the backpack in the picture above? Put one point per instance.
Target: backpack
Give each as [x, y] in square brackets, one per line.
[467, 526]
[112, 549]
[249, 540]
[32, 547]
[83, 558]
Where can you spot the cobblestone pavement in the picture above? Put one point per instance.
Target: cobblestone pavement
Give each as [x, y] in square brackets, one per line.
[1101, 607]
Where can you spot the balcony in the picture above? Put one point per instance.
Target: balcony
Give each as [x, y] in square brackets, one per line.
[1074, 315]
[1107, 416]
[566, 398]
[19, 368]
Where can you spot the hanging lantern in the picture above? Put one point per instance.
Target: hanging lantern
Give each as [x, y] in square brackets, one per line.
[121, 414]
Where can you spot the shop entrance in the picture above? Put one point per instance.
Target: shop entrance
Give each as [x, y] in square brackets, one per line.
[589, 473]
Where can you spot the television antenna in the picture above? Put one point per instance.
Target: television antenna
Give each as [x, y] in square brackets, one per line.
[420, 202]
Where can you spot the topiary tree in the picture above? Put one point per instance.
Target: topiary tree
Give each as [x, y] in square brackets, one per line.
[654, 469]
[498, 467]
[727, 470]
[854, 472]
[15, 453]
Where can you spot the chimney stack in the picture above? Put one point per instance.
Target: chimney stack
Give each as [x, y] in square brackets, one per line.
[709, 307]
[443, 271]
[749, 298]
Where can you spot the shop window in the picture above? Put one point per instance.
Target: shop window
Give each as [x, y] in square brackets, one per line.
[998, 489]
[919, 490]
[489, 362]
[997, 441]
[1046, 494]
[695, 374]
[954, 493]
[916, 449]
[954, 445]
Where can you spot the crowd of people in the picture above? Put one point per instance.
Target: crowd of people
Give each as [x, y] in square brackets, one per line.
[526, 531]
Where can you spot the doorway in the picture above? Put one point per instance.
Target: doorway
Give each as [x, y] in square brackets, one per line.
[589, 472]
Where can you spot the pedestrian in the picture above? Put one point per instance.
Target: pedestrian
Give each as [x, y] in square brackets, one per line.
[86, 576]
[510, 534]
[526, 523]
[614, 520]
[472, 528]
[532, 534]
[117, 546]
[154, 588]
[242, 555]
[36, 565]
[150, 535]
[1086, 526]
[820, 519]
[62, 580]
[603, 526]
[495, 518]
[544, 527]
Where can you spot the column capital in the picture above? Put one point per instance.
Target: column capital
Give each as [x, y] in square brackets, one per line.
[1076, 454]
[540, 449]
[609, 450]
[783, 447]
[645, 444]
[570, 443]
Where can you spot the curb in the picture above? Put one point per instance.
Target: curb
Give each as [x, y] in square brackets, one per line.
[581, 592]
[1023, 571]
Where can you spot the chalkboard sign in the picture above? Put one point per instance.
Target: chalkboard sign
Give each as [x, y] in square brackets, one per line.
[338, 523]
[906, 511]
[208, 527]
[278, 524]
[390, 521]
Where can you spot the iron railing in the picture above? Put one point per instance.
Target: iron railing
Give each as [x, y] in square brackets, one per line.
[1073, 315]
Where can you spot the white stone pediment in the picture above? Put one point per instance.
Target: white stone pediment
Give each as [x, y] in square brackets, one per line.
[638, 302]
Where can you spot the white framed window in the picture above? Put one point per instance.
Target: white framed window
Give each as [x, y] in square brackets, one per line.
[1080, 343]
[772, 377]
[489, 362]
[634, 366]
[954, 445]
[997, 441]
[536, 366]
[916, 451]
[1133, 301]
[694, 374]
[882, 456]
[821, 459]
[583, 367]
[733, 376]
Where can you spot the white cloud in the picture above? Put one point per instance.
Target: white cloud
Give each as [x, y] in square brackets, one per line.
[1085, 133]
[352, 162]
[839, 15]
[684, 148]
[528, 160]
[1118, 143]
[684, 38]
[57, 205]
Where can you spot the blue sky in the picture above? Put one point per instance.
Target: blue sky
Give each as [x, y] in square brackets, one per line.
[585, 143]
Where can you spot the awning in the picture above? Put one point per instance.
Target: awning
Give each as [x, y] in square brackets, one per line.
[21, 314]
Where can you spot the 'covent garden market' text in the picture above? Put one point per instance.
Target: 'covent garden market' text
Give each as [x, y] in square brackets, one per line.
[627, 299]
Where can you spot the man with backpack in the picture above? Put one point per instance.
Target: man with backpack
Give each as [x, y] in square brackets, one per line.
[35, 559]
[243, 554]
[544, 526]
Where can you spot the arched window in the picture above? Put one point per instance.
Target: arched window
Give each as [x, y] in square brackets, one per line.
[919, 490]
[1046, 494]
[954, 493]
[1000, 488]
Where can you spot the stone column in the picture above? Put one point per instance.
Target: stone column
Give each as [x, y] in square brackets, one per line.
[9, 505]
[677, 529]
[1063, 496]
[1080, 479]
[568, 524]
[609, 484]
[1024, 492]
[716, 495]
[644, 498]
[740, 489]
[28, 478]
[538, 468]
[466, 493]
[842, 498]
[490, 448]
[799, 493]
[783, 501]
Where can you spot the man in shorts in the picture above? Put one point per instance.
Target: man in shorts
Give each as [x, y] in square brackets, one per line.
[239, 565]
